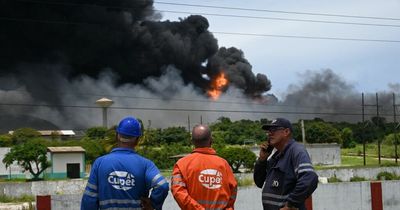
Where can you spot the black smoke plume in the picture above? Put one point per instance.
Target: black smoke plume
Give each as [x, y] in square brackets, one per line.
[86, 37]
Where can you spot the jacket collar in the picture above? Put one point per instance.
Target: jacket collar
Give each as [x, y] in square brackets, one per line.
[205, 150]
[123, 149]
[287, 146]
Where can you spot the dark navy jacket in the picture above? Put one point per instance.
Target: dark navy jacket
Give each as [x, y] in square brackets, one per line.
[118, 180]
[286, 177]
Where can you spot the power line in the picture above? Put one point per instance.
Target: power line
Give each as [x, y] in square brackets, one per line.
[283, 19]
[190, 110]
[248, 102]
[218, 32]
[307, 37]
[215, 14]
[276, 11]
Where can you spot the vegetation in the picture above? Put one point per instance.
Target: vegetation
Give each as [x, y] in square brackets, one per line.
[31, 156]
[238, 157]
[23, 198]
[387, 176]
[229, 136]
[357, 179]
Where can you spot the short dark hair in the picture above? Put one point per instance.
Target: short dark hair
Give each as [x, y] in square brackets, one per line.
[125, 138]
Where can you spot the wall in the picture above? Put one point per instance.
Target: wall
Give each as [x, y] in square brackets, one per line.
[345, 174]
[15, 171]
[324, 154]
[320, 154]
[343, 195]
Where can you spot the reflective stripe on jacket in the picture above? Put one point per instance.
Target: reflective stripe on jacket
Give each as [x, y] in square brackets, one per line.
[202, 180]
[120, 179]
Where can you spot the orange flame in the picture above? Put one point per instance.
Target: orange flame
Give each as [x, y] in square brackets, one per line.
[217, 85]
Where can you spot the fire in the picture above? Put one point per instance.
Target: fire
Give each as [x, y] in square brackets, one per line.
[217, 85]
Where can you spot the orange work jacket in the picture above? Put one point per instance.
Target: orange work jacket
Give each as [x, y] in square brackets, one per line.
[202, 180]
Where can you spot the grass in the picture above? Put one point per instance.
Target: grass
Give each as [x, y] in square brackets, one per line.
[371, 149]
[245, 182]
[23, 198]
[370, 161]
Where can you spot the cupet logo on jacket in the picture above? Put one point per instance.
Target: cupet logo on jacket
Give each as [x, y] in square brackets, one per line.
[211, 178]
[121, 180]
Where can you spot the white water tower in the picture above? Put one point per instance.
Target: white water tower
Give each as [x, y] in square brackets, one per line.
[104, 103]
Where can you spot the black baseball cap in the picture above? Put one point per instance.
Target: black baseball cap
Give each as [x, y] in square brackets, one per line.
[278, 122]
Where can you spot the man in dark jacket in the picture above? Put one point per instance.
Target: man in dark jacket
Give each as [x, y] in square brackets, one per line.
[283, 169]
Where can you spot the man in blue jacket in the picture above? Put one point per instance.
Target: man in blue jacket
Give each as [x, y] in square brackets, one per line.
[123, 179]
[283, 169]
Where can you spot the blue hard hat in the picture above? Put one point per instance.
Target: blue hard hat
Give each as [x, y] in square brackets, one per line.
[129, 126]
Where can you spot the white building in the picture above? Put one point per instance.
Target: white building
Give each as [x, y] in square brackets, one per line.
[66, 162]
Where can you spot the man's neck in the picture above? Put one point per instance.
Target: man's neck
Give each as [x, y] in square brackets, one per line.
[281, 146]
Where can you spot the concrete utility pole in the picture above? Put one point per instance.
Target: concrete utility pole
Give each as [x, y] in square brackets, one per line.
[104, 103]
[395, 126]
[303, 132]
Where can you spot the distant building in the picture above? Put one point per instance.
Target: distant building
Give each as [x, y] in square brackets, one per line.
[55, 134]
[66, 162]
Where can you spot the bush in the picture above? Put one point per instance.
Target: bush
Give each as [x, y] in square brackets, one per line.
[334, 179]
[357, 179]
[384, 175]
[161, 156]
[238, 157]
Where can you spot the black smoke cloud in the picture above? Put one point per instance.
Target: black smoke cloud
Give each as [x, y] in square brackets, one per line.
[327, 95]
[87, 37]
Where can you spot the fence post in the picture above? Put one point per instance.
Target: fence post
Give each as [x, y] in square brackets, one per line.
[308, 203]
[43, 202]
[376, 196]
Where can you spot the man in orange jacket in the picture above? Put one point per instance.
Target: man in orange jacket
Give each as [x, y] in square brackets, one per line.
[202, 180]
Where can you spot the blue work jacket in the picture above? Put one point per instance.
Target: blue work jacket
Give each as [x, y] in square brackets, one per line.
[120, 179]
[288, 176]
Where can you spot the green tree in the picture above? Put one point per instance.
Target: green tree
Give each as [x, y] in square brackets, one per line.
[391, 139]
[31, 156]
[348, 139]
[175, 135]
[240, 131]
[5, 140]
[151, 137]
[22, 135]
[321, 132]
[96, 133]
[237, 157]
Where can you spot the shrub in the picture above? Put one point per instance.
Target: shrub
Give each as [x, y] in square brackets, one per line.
[237, 157]
[357, 179]
[334, 179]
[384, 175]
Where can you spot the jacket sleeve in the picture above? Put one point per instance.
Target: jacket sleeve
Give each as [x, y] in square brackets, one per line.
[233, 188]
[260, 172]
[180, 193]
[158, 184]
[307, 179]
[90, 199]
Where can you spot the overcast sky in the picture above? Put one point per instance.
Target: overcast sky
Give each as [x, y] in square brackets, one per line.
[369, 65]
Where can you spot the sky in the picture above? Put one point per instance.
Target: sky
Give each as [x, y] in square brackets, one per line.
[370, 66]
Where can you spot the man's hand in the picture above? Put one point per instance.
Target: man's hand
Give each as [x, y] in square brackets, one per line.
[264, 151]
[146, 203]
[288, 208]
